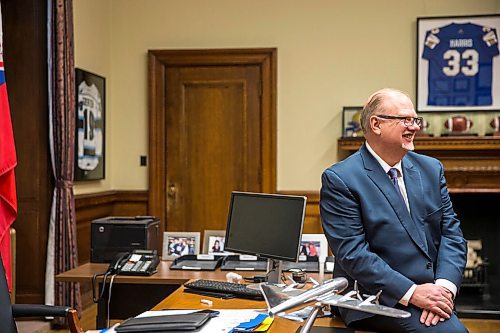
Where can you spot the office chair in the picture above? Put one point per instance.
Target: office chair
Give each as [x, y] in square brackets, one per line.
[10, 311]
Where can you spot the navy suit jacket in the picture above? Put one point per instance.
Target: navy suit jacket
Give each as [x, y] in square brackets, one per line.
[374, 238]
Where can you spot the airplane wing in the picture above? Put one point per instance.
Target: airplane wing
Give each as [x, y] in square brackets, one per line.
[327, 293]
[278, 301]
[366, 305]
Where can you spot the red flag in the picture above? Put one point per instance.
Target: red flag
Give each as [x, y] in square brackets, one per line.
[8, 160]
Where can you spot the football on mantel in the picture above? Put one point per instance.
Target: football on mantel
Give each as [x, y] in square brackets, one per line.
[458, 124]
[495, 123]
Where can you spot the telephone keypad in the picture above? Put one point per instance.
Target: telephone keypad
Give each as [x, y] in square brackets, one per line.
[138, 262]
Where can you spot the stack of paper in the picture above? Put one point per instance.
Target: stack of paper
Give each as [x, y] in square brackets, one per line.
[228, 321]
[260, 323]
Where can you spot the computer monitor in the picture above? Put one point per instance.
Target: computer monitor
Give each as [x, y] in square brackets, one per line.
[266, 225]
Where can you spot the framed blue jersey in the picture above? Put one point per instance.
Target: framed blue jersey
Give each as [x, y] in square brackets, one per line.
[458, 64]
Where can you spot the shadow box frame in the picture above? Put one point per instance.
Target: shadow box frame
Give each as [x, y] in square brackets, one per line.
[90, 114]
[456, 59]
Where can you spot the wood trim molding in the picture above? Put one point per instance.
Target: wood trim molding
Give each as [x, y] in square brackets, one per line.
[312, 219]
[97, 205]
[488, 143]
[471, 164]
[312, 196]
[109, 197]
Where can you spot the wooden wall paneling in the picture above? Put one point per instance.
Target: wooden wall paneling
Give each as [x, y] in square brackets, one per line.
[24, 33]
[312, 220]
[97, 205]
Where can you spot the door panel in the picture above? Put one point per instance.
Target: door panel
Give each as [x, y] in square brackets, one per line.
[213, 126]
[212, 131]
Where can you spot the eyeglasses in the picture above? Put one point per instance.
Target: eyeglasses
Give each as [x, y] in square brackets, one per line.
[407, 121]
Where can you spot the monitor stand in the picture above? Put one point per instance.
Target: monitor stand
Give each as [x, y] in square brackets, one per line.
[274, 270]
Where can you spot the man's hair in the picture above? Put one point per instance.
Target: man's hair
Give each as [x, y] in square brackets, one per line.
[375, 103]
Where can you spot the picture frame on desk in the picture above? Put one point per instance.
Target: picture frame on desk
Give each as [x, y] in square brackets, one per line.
[90, 112]
[176, 244]
[314, 245]
[214, 242]
[457, 59]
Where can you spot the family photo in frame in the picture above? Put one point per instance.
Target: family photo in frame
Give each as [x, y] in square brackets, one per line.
[89, 123]
[176, 244]
[457, 61]
[313, 245]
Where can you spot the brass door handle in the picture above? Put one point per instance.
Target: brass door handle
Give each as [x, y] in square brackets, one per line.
[172, 191]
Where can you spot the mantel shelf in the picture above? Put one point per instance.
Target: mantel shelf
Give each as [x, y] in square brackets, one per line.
[463, 143]
[472, 164]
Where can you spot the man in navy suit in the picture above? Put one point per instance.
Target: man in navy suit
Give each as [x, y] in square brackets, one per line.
[390, 223]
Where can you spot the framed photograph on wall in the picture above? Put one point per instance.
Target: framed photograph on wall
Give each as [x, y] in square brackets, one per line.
[176, 244]
[351, 122]
[458, 63]
[90, 100]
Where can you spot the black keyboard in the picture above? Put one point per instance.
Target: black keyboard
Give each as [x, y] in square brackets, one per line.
[220, 288]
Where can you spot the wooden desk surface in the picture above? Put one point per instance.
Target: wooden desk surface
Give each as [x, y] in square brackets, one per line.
[164, 275]
[180, 300]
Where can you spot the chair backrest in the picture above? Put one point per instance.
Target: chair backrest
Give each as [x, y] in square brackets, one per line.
[8, 324]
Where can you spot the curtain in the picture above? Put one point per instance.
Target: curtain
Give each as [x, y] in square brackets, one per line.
[62, 248]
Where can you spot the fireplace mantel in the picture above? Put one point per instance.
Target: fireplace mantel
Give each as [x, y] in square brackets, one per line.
[472, 164]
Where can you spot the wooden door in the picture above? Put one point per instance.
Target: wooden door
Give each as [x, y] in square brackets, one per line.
[212, 131]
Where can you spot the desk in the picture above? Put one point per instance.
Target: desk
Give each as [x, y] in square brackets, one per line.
[132, 295]
[180, 300]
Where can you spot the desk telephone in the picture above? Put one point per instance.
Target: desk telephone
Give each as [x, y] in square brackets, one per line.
[137, 262]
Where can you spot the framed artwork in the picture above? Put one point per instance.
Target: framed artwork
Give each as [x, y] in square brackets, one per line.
[214, 241]
[458, 63]
[351, 121]
[176, 244]
[90, 100]
[314, 245]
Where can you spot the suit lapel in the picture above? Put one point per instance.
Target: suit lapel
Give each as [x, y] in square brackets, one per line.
[376, 173]
[415, 193]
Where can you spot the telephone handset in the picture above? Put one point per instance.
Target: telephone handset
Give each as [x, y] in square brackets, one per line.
[137, 262]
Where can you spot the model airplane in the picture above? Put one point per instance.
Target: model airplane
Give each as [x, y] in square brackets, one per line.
[280, 300]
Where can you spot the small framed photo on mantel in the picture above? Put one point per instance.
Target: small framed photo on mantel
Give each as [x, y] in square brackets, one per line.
[458, 63]
[90, 100]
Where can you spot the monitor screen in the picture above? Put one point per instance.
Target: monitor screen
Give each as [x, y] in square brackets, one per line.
[266, 225]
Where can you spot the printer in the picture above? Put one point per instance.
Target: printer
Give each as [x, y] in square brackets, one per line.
[114, 234]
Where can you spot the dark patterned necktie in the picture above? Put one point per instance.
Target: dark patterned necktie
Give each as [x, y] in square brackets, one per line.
[393, 173]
